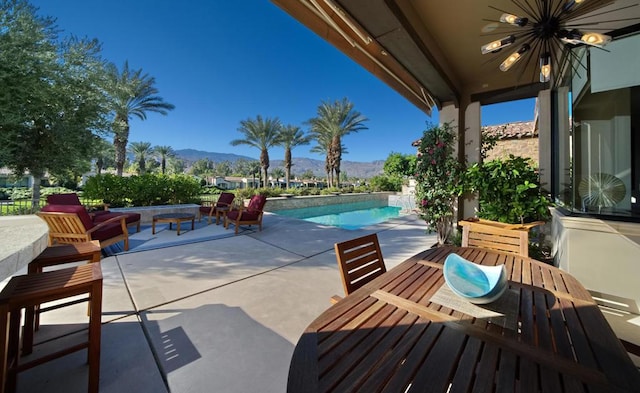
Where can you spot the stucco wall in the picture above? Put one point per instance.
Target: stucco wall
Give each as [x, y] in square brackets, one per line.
[603, 255]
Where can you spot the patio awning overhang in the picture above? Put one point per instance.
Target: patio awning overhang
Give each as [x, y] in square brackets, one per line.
[429, 51]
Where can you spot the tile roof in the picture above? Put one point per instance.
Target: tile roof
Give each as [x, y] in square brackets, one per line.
[520, 129]
[515, 130]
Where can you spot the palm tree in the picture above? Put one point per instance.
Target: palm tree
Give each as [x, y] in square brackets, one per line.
[323, 147]
[290, 137]
[334, 121]
[260, 133]
[132, 94]
[277, 173]
[141, 150]
[163, 152]
[103, 154]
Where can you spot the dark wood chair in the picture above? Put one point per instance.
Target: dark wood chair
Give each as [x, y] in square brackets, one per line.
[28, 291]
[505, 239]
[209, 208]
[249, 215]
[360, 261]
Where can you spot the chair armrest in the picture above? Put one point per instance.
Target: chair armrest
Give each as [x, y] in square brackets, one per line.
[122, 219]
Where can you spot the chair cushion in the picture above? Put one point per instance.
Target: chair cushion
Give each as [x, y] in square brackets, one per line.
[257, 203]
[63, 199]
[246, 215]
[77, 209]
[131, 217]
[109, 231]
[225, 199]
[205, 209]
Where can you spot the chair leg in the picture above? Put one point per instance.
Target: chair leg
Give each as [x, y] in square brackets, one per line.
[4, 345]
[29, 328]
[95, 325]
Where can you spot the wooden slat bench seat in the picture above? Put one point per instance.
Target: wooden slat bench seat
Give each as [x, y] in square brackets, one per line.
[27, 291]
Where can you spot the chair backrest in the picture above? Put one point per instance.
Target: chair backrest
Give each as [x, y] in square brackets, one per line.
[225, 199]
[64, 199]
[78, 210]
[257, 202]
[360, 261]
[475, 234]
[64, 227]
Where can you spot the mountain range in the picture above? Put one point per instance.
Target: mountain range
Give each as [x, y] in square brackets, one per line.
[364, 170]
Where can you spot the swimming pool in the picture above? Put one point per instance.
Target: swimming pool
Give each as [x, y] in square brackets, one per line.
[349, 216]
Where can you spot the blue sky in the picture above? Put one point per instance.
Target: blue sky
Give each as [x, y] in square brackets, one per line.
[220, 62]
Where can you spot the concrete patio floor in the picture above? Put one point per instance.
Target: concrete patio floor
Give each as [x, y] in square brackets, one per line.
[215, 316]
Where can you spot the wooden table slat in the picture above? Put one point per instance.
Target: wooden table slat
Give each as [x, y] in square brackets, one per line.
[389, 336]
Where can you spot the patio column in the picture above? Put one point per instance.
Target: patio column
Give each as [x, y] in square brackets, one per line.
[472, 143]
[543, 117]
[466, 119]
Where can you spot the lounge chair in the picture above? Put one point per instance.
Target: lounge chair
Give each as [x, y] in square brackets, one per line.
[249, 215]
[209, 208]
[360, 261]
[72, 224]
[133, 219]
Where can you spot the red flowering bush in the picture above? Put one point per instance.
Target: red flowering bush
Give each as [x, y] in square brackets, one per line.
[439, 177]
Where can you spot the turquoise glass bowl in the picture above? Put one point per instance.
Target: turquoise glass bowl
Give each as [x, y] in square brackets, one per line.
[476, 283]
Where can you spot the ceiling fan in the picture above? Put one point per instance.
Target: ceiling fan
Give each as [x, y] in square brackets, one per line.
[545, 29]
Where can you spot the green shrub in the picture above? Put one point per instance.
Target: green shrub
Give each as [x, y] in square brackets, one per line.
[508, 190]
[145, 190]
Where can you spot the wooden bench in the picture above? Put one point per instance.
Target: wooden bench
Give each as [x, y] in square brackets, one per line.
[28, 291]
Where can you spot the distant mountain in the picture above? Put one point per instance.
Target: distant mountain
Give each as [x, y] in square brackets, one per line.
[300, 165]
[191, 155]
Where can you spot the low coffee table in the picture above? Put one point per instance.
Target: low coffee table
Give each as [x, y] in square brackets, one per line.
[171, 218]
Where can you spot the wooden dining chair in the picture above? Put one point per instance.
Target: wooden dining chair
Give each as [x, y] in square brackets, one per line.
[476, 234]
[360, 261]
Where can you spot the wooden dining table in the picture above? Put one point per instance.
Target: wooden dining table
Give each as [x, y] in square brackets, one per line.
[405, 331]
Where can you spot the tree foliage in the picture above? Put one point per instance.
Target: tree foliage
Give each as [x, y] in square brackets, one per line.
[290, 137]
[334, 120]
[131, 94]
[52, 101]
[261, 134]
[398, 164]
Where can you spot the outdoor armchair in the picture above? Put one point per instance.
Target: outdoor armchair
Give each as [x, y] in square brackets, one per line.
[72, 224]
[210, 208]
[249, 215]
[71, 199]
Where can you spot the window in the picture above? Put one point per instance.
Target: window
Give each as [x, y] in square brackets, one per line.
[597, 140]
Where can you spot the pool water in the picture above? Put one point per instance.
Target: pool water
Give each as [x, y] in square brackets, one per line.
[349, 216]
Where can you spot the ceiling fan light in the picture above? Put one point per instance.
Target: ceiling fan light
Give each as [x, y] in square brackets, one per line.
[513, 58]
[545, 67]
[572, 3]
[595, 39]
[513, 20]
[495, 46]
